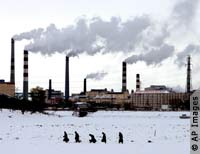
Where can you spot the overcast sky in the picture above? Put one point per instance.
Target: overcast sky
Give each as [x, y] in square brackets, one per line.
[153, 37]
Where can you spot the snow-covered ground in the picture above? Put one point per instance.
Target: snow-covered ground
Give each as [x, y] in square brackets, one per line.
[39, 133]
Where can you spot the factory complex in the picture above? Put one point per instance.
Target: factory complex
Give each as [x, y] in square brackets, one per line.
[155, 97]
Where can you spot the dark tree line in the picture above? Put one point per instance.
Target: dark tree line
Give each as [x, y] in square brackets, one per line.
[23, 105]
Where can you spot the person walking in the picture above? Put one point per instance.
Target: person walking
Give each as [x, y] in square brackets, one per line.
[103, 137]
[65, 137]
[120, 138]
[77, 139]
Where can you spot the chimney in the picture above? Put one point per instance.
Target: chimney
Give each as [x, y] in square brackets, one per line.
[67, 78]
[124, 77]
[188, 84]
[12, 66]
[50, 87]
[25, 84]
[85, 86]
[137, 82]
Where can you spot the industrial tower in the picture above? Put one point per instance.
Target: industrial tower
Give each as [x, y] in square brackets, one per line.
[188, 81]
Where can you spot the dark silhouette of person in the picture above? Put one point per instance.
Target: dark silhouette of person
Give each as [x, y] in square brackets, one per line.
[77, 140]
[103, 137]
[120, 138]
[92, 139]
[65, 137]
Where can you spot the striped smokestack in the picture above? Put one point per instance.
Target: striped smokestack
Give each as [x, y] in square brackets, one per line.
[85, 86]
[12, 66]
[123, 76]
[25, 83]
[67, 78]
[137, 82]
[188, 84]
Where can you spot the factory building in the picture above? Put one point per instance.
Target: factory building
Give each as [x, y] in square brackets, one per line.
[53, 96]
[157, 101]
[56, 96]
[7, 88]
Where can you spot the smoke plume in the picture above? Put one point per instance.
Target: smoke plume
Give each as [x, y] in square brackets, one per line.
[185, 11]
[191, 49]
[97, 75]
[155, 56]
[89, 36]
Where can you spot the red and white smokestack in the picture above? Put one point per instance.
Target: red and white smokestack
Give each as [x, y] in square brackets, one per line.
[137, 82]
[12, 66]
[25, 83]
[124, 77]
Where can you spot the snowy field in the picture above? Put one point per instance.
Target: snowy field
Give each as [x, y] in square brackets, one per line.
[38, 133]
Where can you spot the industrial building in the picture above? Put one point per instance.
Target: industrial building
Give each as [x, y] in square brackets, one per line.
[8, 88]
[53, 96]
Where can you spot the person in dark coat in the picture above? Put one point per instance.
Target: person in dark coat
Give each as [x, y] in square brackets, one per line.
[120, 138]
[65, 137]
[92, 139]
[103, 137]
[77, 140]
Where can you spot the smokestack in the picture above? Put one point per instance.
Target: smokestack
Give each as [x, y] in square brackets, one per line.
[137, 82]
[85, 86]
[188, 84]
[67, 78]
[123, 76]
[25, 85]
[50, 87]
[12, 66]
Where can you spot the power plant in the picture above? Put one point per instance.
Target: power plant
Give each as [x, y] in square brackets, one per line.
[155, 97]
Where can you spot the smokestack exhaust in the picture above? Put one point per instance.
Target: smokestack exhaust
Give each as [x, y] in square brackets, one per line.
[137, 82]
[85, 86]
[25, 83]
[67, 78]
[124, 77]
[50, 88]
[12, 66]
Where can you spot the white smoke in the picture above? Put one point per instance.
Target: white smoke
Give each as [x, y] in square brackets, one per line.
[96, 35]
[155, 46]
[185, 11]
[155, 56]
[97, 75]
[85, 35]
[191, 49]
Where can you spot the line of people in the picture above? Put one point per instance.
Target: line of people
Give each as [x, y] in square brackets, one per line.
[92, 138]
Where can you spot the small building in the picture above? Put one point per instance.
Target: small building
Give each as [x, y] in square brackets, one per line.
[7, 88]
[54, 97]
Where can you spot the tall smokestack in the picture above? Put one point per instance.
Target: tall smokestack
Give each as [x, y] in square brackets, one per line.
[85, 86]
[12, 66]
[25, 85]
[188, 84]
[137, 82]
[123, 76]
[50, 88]
[67, 78]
